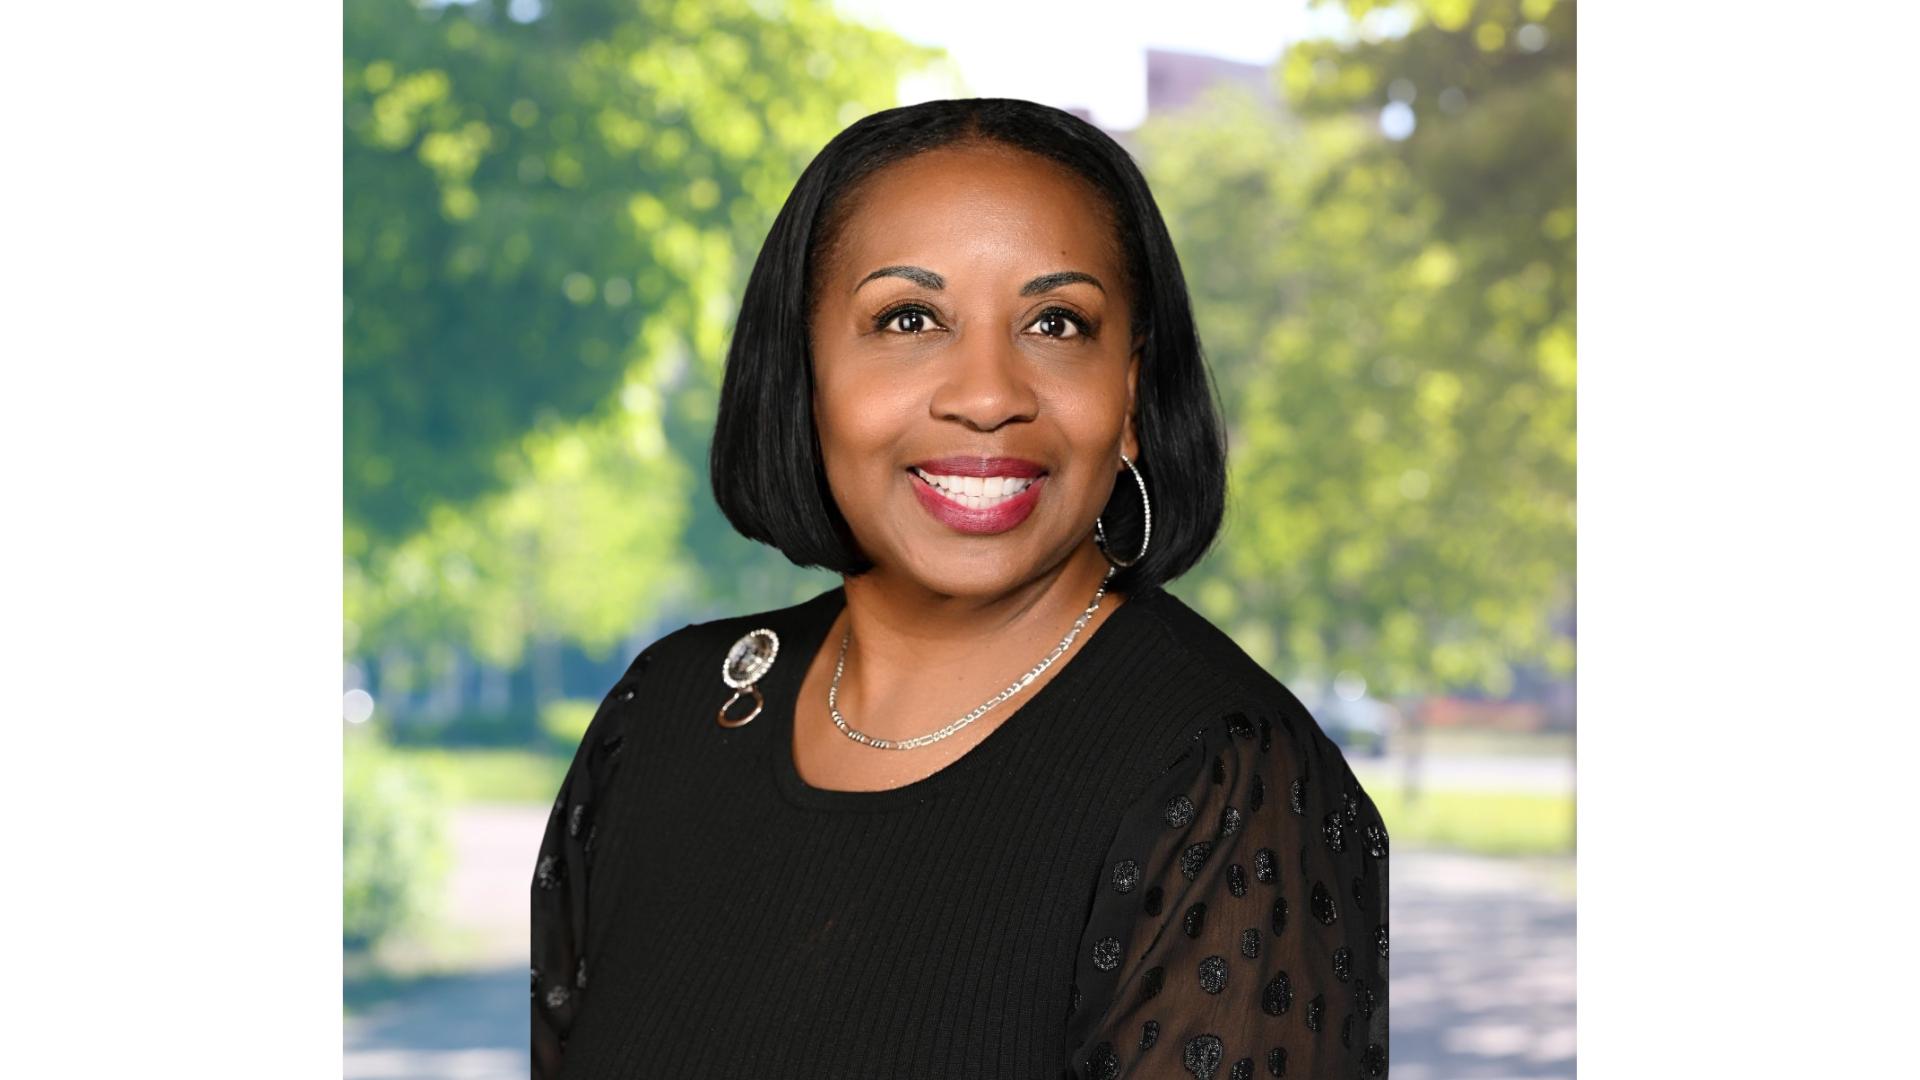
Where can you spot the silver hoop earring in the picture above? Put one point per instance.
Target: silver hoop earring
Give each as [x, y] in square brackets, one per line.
[1100, 532]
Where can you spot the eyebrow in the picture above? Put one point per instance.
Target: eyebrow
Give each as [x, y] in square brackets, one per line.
[1046, 282]
[926, 279]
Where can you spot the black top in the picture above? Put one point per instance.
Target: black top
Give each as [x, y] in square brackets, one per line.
[1158, 865]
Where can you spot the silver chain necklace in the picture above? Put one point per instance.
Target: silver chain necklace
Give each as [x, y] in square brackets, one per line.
[833, 692]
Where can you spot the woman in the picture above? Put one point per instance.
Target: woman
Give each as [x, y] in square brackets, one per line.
[1000, 806]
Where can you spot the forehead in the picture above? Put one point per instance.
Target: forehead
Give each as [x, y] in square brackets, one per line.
[973, 201]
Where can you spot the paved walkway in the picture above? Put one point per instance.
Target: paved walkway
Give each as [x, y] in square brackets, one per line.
[1482, 970]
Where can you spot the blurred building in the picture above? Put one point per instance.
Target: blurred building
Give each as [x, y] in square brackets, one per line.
[1176, 80]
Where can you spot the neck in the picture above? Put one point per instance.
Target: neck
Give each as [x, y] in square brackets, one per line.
[918, 658]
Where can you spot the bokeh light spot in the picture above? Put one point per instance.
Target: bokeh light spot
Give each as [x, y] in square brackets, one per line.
[1396, 120]
[356, 706]
[1350, 685]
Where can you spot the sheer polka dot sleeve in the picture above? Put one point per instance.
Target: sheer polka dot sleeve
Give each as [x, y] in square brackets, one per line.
[1239, 927]
[562, 872]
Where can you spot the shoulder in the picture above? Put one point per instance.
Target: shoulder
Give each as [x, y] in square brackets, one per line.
[1227, 688]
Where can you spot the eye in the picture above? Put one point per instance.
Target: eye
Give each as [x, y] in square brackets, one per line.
[906, 320]
[1059, 323]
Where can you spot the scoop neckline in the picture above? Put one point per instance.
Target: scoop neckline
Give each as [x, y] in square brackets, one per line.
[798, 792]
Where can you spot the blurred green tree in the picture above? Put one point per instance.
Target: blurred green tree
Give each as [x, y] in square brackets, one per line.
[1391, 323]
[546, 227]
[397, 851]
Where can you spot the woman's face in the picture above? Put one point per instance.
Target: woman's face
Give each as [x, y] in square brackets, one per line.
[974, 367]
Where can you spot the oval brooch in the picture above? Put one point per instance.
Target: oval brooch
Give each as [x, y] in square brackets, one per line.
[747, 663]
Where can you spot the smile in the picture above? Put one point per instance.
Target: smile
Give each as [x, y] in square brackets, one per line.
[976, 495]
[977, 492]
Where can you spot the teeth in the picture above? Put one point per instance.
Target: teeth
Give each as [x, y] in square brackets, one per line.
[977, 492]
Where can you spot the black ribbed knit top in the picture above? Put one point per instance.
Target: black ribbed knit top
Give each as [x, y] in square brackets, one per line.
[1157, 866]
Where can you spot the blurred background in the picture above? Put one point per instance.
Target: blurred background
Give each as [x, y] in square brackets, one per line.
[551, 208]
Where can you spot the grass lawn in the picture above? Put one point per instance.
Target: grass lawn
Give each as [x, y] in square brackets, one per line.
[1476, 741]
[1484, 822]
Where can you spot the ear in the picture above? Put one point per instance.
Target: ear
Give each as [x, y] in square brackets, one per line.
[1129, 436]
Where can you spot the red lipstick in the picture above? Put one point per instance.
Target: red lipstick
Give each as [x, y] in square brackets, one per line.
[980, 521]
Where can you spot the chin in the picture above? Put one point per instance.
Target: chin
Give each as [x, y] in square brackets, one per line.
[985, 576]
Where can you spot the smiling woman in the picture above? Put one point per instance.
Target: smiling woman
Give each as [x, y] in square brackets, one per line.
[999, 805]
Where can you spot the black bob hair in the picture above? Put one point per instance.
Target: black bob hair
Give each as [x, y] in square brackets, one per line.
[766, 470]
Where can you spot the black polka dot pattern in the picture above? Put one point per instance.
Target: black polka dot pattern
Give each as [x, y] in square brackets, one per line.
[1277, 997]
[1333, 830]
[1229, 821]
[1213, 974]
[1193, 858]
[1244, 988]
[1195, 920]
[1202, 1055]
[1103, 1064]
[1376, 838]
[1323, 908]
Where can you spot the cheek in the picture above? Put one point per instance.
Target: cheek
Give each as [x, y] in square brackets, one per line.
[860, 421]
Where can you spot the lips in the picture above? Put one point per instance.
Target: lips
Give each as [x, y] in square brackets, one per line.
[978, 495]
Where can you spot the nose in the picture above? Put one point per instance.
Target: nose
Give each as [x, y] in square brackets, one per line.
[986, 386]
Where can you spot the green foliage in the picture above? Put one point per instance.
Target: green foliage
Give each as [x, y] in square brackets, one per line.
[581, 542]
[396, 845]
[1392, 329]
[565, 720]
[544, 224]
